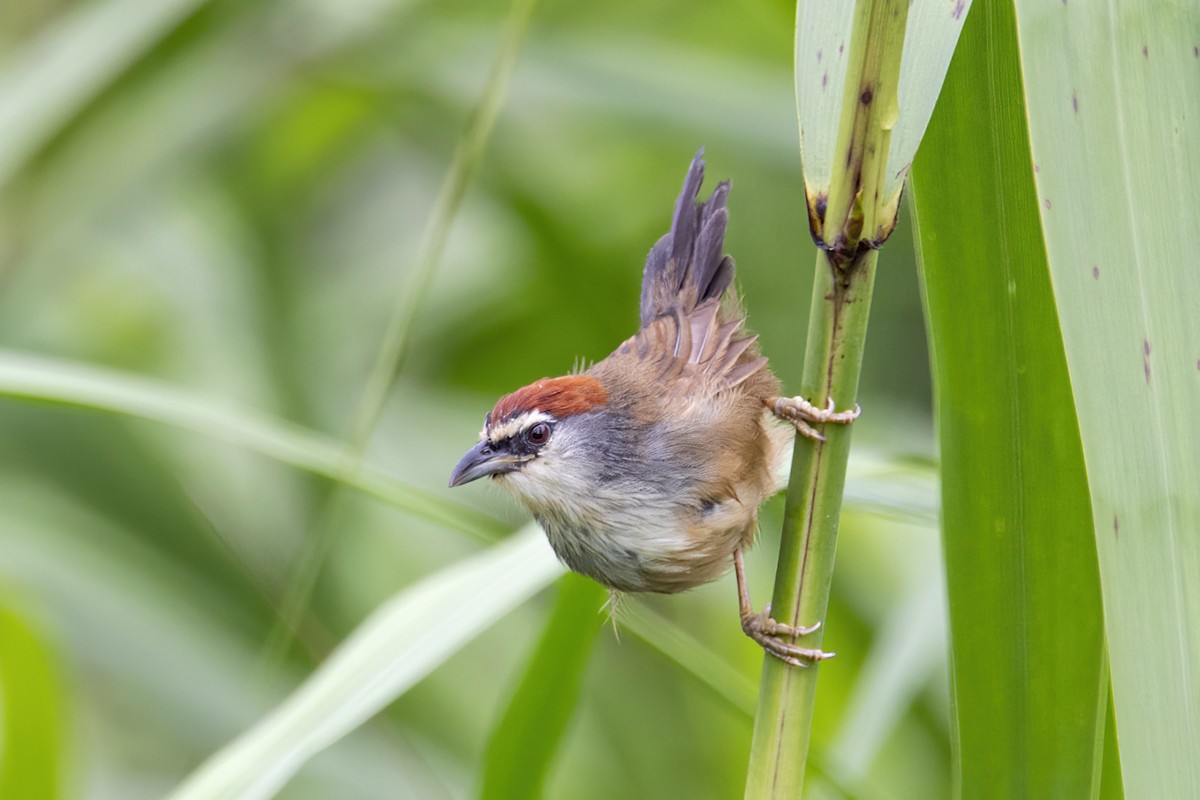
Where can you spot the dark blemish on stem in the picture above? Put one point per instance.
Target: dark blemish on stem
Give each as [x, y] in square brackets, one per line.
[1116, 524]
[1046, 203]
[1196, 51]
[1145, 51]
[1075, 102]
[1146, 360]
[866, 97]
[818, 56]
[824, 80]
[841, 47]
[959, 7]
[1096, 273]
[1146, 346]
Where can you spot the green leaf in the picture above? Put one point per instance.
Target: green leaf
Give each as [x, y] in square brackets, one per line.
[58, 381]
[1028, 670]
[399, 644]
[1112, 116]
[529, 735]
[823, 64]
[30, 717]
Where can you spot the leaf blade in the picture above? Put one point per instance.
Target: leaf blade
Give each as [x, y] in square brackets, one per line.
[1116, 178]
[1020, 560]
[391, 650]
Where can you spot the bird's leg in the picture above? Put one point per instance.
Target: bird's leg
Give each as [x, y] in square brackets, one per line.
[802, 413]
[769, 633]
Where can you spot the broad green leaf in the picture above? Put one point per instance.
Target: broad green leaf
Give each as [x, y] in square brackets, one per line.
[529, 736]
[53, 380]
[73, 60]
[1113, 97]
[1027, 644]
[397, 646]
[30, 713]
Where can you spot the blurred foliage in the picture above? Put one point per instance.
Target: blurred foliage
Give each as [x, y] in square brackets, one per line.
[228, 197]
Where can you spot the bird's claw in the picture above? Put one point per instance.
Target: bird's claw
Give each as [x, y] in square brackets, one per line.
[801, 413]
[769, 633]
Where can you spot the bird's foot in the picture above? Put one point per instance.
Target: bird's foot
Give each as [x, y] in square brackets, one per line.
[803, 414]
[769, 634]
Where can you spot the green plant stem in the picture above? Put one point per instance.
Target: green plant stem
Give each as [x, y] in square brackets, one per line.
[806, 553]
[394, 347]
[841, 300]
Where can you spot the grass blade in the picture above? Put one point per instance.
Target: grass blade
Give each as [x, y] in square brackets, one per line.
[398, 645]
[393, 349]
[59, 381]
[1021, 564]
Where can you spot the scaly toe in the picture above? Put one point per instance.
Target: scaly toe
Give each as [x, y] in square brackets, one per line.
[792, 654]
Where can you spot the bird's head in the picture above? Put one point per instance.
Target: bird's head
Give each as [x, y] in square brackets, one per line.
[534, 438]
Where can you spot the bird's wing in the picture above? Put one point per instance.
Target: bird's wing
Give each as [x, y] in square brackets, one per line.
[697, 353]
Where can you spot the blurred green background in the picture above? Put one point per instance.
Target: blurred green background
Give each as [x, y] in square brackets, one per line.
[229, 197]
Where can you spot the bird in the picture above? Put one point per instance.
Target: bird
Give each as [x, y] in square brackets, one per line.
[646, 470]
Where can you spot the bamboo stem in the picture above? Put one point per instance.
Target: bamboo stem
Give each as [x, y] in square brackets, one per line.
[854, 223]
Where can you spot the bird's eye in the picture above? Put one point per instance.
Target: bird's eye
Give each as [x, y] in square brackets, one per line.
[538, 434]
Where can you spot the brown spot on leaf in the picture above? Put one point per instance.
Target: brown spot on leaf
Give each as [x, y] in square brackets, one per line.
[841, 47]
[1036, 168]
[819, 56]
[1145, 51]
[959, 7]
[824, 80]
[1096, 273]
[1116, 526]
[1146, 346]
[866, 97]
[1146, 360]
[1075, 102]
[1046, 203]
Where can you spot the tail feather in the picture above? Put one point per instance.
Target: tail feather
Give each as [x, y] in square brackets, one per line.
[686, 266]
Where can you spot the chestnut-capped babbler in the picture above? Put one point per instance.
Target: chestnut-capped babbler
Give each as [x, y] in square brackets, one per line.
[647, 470]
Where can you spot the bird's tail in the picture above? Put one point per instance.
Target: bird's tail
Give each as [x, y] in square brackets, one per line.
[686, 267]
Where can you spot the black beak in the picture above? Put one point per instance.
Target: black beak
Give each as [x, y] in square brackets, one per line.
[483, 460]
